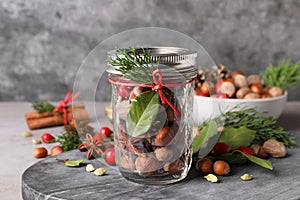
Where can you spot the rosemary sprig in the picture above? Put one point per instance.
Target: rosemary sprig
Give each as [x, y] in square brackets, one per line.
[133, 65]
[41, 106]
[285, 75]
[266, 127]
[69, 139]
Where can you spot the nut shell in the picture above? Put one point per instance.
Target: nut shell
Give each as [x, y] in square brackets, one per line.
[242, 92]
[240, 81]
[174, 167]
[275, 148]
[56, 150]
[258, 151]
[255, 79]
[252, 95]
[147, 164]
[40, 152]
[228, 88]
[204, 165]
[164, 136]
[275, 91]
[221, 167]
[164, 154]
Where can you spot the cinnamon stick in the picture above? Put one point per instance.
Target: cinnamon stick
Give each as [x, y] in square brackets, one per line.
[37, 120]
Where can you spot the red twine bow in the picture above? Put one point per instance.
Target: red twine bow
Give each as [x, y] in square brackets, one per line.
[157, 79]
[62, 106]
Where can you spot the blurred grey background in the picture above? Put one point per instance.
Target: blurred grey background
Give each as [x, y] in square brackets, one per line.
[43, 43]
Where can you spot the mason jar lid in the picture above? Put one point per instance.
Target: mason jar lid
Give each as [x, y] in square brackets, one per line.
[174, 62]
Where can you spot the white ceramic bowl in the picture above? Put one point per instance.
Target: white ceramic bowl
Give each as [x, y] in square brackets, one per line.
[206, 108]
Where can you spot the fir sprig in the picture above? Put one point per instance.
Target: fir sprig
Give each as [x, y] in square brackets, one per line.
[135, 66]
[285, 75]
[69, 139]
[266, 127]
[41, 106]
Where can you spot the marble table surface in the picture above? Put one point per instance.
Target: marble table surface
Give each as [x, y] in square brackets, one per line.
[282, 183]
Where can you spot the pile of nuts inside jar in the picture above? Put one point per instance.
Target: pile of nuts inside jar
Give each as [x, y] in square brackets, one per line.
[161, 151]
[233, 84]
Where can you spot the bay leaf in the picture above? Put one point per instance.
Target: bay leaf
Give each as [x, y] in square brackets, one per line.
[142, 113]
[235, 137]
[208, 130]
[258, 161]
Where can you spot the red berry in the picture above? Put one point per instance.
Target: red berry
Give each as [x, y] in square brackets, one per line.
[222, 96]
[124, 91]
[47, 138]
[110, 156]
[245, 150]
[218, 85]
[98, 138]
[221, 148]
[105, 131]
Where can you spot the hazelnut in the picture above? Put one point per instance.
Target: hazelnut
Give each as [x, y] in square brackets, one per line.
[275, 148]
[165, 154]
[255, 88]
[241, 93]
[255, 79]
[251, 95]
[240, 81]
[206, 88]
[147, 164]
[275, 91]
[258, 151]
[264, 95]
[40, 152]
[221, 167]
[227, 87]
[164, 136]
[204, 165]
[236, 72]
[174, 167]
[56, 150]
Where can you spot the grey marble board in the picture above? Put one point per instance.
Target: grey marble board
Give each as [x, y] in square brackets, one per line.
[49, 179]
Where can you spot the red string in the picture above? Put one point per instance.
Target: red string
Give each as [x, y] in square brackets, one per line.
[62, 106]
[158, 87]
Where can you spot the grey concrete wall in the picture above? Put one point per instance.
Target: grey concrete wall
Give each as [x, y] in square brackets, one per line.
[42, 43]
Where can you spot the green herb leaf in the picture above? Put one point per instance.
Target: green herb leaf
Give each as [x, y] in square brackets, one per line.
[73, 163]
[142, 113]
[41, 106]
[70, 139]
[285, 75]
[208, 130]
[235, 137]
[258, 161]
[265, 126]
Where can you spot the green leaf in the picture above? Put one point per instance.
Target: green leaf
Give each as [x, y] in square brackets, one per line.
[207, 131]
[73, 163]
[142, 113]
[258, 161]
[235, 137]
[41, 106]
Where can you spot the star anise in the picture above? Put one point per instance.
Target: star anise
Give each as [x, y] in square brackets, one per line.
[93, 146]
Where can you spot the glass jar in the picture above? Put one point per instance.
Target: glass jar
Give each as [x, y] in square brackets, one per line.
[152, 109]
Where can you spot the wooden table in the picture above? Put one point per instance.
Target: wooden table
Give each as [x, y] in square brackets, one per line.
[48, 179]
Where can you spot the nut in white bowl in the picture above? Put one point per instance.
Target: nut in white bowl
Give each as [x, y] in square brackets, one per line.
[206, 108]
